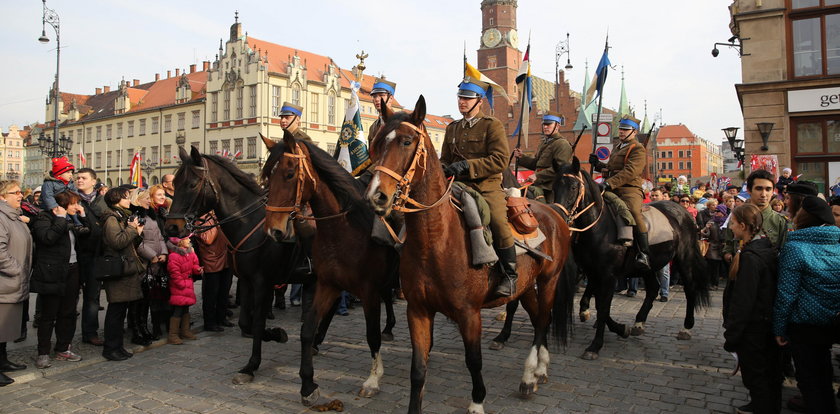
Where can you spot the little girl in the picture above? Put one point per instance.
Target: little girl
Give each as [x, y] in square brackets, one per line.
[748, 312]
[182, 265]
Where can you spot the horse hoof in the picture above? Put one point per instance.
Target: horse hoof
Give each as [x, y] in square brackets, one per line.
[542, 379]
[684, 335]
[310, 399]
[637, 331]
[584, 316]
[501, 316]
[387, 336]
[527, 389]
[368, 392]
[496, 345]
[242, 378]
[589, 356]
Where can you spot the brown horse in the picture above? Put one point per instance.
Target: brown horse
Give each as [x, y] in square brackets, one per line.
[344, 254]
[435, 270]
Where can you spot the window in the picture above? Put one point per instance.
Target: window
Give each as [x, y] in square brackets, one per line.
[688, 153]
[155, 154]
[252, 147]
[214, 106]
[330, 148]
[142, 127]
[237, 146]
[239, 92]
[167, 154]
[252, 109]
[70, 136]
[131, 128]
[296, 94]
[108, 159]
[226, 105]
[681, 165]
[670, 154]
[98, 160]
[275, 101]
[670, 165]
[680, 154]
[155, 125]
[815, 38]
[196, 119]
[331, 109]
[119, 130]
[214, 147]
[182, 120]
[491, 62]
[226, 145]
[118, 159]
[79, 135]
[167, 123]
[313, 107]
[99, 133]
[108, 131]
[688, 165]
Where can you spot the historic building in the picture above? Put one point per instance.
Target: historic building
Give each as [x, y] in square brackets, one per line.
[791, 78]
[12, 153]
[681, 152]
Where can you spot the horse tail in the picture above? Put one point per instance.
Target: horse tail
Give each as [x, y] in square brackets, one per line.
[700, 277]
[562, 326]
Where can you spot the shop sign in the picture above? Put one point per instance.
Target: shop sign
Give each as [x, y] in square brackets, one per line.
[822, 99]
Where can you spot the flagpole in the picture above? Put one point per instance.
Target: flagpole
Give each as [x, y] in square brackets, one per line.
[598, 111]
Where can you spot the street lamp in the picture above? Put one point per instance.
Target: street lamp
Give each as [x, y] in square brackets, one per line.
[50, 17]
[731, 133]
[561, 49]
[54, 148]
[764, 128]
[148, 167]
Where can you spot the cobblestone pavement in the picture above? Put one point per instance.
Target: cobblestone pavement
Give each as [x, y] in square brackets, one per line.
[654, 373]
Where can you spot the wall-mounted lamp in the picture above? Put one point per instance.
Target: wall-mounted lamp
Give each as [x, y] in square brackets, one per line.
[764, 128]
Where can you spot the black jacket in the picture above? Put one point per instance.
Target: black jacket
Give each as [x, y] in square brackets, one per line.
[86, 247]
[748, 300]
[51, 262]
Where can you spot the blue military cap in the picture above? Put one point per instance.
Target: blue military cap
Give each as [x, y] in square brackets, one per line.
[474, 88]
[551, 116]
[627, 123]
[289, 108]
[380, 85]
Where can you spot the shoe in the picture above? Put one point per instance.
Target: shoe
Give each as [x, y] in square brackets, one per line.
[43, 362]
[5, 380]
[745, 409]
[295, 302]
[95, 341]
[644, 250]
[125, 352]
[68, 355]
[11, 366]
[630, 294]
[115, 355]
[227, 323]
[797, 403]
[343, 313]
[663, 298]
[22, 337]
[212, 328]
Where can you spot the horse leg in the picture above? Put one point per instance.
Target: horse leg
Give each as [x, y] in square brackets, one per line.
[536, 365]
[420, 325]
[326, 320]
[651, 290]
[500, 339]
[390, 318]
[603, 300]
[691, 298]
[325, 296]
[470, 327]
[261, 302]
[373, 308]
[246, 310]
[584, 314]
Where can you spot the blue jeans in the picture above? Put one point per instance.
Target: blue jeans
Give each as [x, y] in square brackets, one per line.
[295, 293]
[342, 302]
[632, 285]
[90, 299]
[664, 277]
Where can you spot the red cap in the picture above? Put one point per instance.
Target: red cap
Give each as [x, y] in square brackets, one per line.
[60, 166]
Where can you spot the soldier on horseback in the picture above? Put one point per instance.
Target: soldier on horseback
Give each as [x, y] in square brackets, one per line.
[290, 120]
[553, 148]
[623, 176]
[475, 151]
[382, 92]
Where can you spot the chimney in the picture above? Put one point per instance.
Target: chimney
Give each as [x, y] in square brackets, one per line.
[206, 65]
[98, 91]
[168, 74]
[157, 77]
[177, 72]
[107, 88]
[192, 68]
[135, 82]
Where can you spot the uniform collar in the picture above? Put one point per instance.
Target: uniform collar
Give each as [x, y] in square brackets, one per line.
[469, 123]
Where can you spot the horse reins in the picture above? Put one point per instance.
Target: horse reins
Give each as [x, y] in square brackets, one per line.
[573, 213]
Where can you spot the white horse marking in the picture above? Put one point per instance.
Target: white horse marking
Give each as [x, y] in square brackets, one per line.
[531, 365]
[475, 408]
[377, 369]
[391, 135]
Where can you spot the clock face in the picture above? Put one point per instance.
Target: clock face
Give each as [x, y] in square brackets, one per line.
[491, 37]
[513, 38]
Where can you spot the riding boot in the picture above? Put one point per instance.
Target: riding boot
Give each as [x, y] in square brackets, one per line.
[185, 332]
[644, 250]
[507, 260]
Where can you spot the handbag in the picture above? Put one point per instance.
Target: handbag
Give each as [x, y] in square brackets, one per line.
[109, 267]
[704, 247]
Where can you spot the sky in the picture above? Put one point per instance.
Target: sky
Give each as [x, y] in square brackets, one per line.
[663, 46]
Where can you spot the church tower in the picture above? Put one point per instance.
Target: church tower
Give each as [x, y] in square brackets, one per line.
[499, 56]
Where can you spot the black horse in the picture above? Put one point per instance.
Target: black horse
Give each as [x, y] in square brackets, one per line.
[208, 182]
[603, 260]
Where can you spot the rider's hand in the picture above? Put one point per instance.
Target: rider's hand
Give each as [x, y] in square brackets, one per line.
[456, 168]
[604, 186]
[517, 152]
[593, 159]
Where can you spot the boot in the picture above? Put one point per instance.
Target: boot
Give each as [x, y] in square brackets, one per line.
[134, 324]
[143, 321]
[157, 320]
[5, 380]
[644, 251]
[185, 332]
[507, 260]
[174, 325]
[5, 364]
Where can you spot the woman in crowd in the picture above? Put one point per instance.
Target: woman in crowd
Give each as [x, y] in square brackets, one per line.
[807, 309]
[15, 263]
[55, 275]
[159, 293]
[714, 234]
[748, 311]
[215, 283]
[688, 204]
[681, 188]
[120, 236]
[153, 252]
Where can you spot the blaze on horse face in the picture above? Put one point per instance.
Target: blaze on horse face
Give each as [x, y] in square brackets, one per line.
[192, 195]
[398, 144]
[281, 177]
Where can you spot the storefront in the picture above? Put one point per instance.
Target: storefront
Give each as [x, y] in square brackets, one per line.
[815, 136]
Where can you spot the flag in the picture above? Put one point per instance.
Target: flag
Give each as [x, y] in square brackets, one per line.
[472, 72]
[237, 154]
[523, 79]
[82, 159]
[598, 80]
[353, 152]
[135, 172]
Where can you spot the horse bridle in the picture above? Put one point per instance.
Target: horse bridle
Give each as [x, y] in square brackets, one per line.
[401, 194]
[575, 212]
[304, 172]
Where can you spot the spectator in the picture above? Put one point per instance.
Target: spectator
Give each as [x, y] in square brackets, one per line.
[86, 248]
[835, 209]
[168, 187]
[784, 181]
[681, 189]
[729, 202]
[215, 284]
[708, 211]
[748, 311]
[159, 293]
[152, 251]
[119, 238]
[60, 178]
[733, 190]
[779, 207]
[688, 204]
[797, 192]
[55, 275]
[712, 232]
[807, 308]
[663, 274]
[775, 227]
[15, 263]
[182, 265]
[29, 206]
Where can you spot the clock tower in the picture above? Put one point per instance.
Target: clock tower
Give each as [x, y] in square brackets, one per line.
[499, 56]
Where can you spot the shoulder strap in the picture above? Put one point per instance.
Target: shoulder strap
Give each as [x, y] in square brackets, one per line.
[627, 155]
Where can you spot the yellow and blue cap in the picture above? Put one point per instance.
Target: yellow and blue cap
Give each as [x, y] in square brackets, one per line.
[473, 88]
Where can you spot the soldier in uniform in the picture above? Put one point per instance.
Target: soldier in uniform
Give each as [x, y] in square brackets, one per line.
[475, 151]
[290, 120]
[623, 176]
[553, 148]
[382, 91]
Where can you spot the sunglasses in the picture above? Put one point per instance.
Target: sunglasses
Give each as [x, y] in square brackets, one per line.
[18, 192]
[685, 201]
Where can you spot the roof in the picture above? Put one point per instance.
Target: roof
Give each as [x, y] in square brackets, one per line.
[674, 131]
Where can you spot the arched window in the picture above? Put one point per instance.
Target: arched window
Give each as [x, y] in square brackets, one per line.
[331, 108]
[296, 94]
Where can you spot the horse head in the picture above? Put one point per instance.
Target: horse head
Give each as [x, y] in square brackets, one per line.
[195, 193]
[290, 179]
[402, 148]
[574, 190]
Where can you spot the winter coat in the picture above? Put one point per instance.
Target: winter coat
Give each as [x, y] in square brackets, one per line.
[119, 239]
[50, 188]
[713, 235]
[153, 243]
[748, 300]
[86, 247]
[809, 279]
[15, 256]
[182, 264]
[51, 264]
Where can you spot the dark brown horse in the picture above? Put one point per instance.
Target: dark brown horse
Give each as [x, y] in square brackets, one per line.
[435, 267]
[344, 254]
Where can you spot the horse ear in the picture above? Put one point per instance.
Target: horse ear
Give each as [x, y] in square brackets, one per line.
[183, 154]
[289, 140]
[269, 143]
[575, 165]
[419, 114]
[385, 111]
[195, 155]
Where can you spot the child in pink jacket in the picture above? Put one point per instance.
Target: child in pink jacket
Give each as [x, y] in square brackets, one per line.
[182, 265]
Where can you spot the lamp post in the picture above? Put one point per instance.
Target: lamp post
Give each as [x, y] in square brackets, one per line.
[148, 167]
[54, 147]
[736, 145]
[561, 49]
[50, 17]
[764, 128]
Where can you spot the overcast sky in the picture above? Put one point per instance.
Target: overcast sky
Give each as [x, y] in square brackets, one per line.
[663, 45]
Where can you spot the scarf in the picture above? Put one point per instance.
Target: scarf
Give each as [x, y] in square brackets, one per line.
[88, 197]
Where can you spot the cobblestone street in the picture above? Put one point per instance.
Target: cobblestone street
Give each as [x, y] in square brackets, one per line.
[654, 373]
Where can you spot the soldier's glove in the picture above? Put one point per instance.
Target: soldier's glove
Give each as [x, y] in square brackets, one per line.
[604, 186]
[595, 162]
[456, 168]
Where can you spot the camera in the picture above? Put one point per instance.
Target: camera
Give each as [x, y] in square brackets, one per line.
[140, 220]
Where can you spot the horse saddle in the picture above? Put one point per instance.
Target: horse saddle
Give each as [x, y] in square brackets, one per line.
[659, 228]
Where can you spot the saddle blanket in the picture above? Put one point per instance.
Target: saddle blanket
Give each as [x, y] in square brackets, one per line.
[659, 228]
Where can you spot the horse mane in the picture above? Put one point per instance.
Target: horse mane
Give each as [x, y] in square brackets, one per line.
[347, 190]
[240, 176]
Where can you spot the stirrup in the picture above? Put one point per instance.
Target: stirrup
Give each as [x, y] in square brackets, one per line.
[642, 260]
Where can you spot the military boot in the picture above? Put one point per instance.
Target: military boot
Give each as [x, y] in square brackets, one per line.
[507, 260]
[642, 260]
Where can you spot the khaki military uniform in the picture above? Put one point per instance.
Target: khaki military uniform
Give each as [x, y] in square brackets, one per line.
[553, 149]
[483, 143]
[300, 135]
[624, 175]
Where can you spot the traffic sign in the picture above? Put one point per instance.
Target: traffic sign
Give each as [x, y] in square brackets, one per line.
[603, 153]
[604, 129]
[602, 118]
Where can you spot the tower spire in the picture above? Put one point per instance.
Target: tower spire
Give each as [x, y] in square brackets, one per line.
[623, 106]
